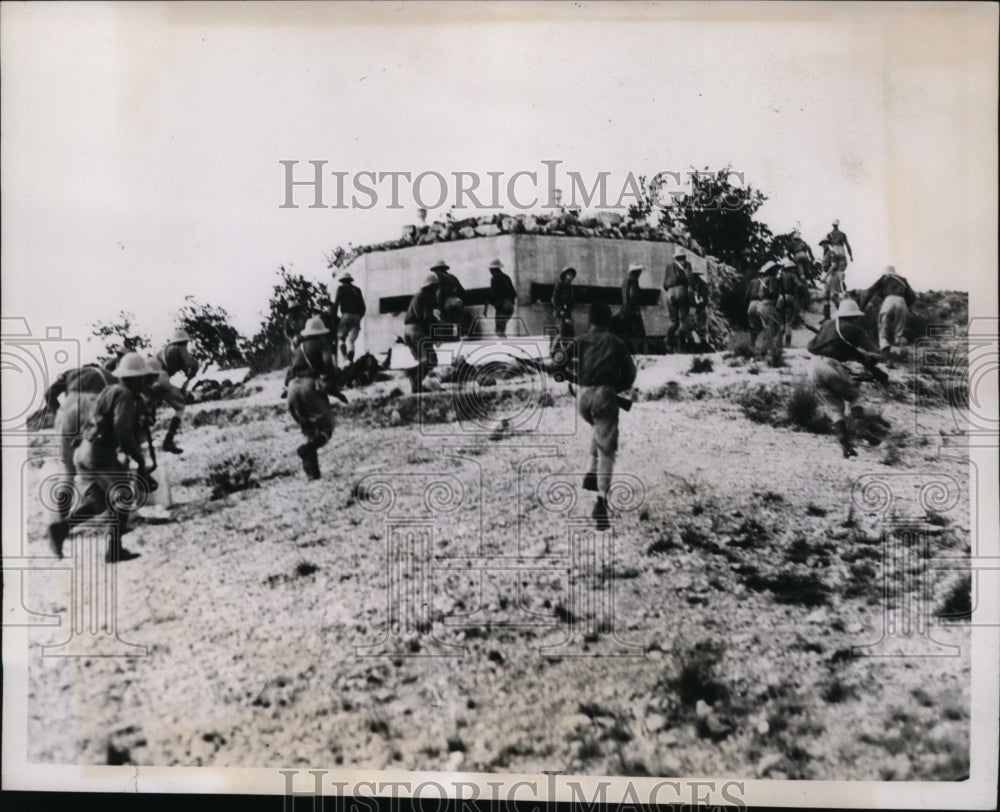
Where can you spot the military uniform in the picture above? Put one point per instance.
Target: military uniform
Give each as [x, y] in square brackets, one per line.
[760, 311]
[631, 313]
[350, 303]
[311, 375]
[502, 297]
[675, 285]
[417, 323]
[897, 298]
[103, 481]
[80, 388]
[841, 340]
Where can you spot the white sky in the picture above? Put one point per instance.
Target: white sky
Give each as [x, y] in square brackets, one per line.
[141, 141]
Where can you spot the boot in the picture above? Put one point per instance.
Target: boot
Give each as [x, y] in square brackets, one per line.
[58, 533]
[844, 435]
[168, 441]
[118, 554]
[310, 460]
[590, 481]
[600, 514]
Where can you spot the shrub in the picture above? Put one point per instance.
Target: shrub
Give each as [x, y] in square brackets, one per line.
[213, 337]
[235, 472]
[671, 390]
[803, 410]
[957, 604]
[763, 404]
[741, 346]
[119, 337]
[700, 364]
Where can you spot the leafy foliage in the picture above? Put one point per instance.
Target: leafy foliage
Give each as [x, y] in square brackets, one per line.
[235, 472]
[269, 349]
[213, 336]
[119, 336]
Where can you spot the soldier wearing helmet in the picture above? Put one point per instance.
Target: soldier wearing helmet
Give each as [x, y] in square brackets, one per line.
[350, 303]
[114, 425]
[173, 358]
[839, 341]
[310, 378]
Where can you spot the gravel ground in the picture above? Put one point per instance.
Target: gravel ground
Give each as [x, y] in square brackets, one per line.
[741, 580]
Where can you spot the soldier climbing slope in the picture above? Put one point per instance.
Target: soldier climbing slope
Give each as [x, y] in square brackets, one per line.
[897, 298]
[174, 358]
[760, 307]
[310, 378]
[450, 298]
[79, 388]
[350, 304]
[114, 425]
[421, 316]
[840, 250]
[840, 340]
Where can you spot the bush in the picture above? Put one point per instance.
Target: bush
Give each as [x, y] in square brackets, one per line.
[803, 410]
[764, 405]
[213, 336]
[119, 337]
[957, 604]
[236, 472]
[268, 349]
[700, 364]
[741, 346]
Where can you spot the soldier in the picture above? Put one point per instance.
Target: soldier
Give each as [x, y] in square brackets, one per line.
[698, 290]
[311, 376]
[789, 288]
[114, 425]
[503, 296]
[80, 388]
[897, 298]
[562, 300]
[350, 303]
[604, 369]
[840, 250]
[675, 283]
[295, 320]
[801, 254]
[838, 341]
[760, 306]
[631, 312]
[174, 358]
[420, 317]
[450, 297]
[833, 282]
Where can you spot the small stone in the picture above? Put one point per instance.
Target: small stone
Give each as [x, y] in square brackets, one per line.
[655, 722]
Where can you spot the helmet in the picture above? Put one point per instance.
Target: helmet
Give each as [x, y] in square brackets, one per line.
[496, 264]
[346, 278]
[314, 327]
[848, 309]
[440, 265]
[155, 367]
[889, 269]
[836, 222]
[429, 281]
[132, 365]
[569, 269]
[635, 266]
[179, 337]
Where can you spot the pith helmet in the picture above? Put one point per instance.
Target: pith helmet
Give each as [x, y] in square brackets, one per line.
[889, 269]
[568, 270]
[429, 281]
[496, 264]
[440, 265]
[848, 309]
[635, 267]
[836, 222]
[314, 327]
[132, 365]
[179, 337]
[346, 278]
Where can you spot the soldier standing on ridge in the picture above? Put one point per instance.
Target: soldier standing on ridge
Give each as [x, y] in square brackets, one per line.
[675, 283]
[604, 369]
[174, 358]
[311, 376]
[897, 298]
[350, 304]
[502, 296]
[420, 317]
[114, 425]
[840, 250]
[840, 340]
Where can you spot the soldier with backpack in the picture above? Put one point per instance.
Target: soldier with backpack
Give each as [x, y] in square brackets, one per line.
[897, 298]
[760, 297]
[115, 425]
[790, 289]
[839, 341]
[421, 316]
[451, 297]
